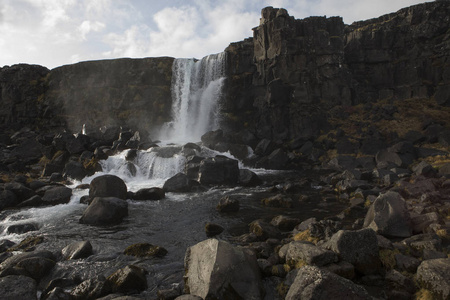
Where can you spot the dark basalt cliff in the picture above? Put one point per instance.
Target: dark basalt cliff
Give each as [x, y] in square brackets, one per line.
[284, 84]
[131, 92]
[288, 80]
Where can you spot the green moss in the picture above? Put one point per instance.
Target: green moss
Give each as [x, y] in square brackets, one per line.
[282, 289]
[387, 257]
[28, 244]
[305, 236]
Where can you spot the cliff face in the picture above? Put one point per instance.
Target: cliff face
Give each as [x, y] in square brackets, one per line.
[285, 83]
[301, 69]
[131, 92]
[22, 90]
[401, 55]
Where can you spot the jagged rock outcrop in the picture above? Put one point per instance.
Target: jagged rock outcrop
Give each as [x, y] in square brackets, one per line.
[284, 82]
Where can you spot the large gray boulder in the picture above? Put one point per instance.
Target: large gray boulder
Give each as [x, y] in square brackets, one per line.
[105, 211]
[389, 216]
[314, 283]
[434, 274]
[14, 287]
[359, 248]
[218, 170]
[108, 186]
[217, 270]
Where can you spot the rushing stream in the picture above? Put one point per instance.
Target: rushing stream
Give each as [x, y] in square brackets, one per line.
[175, 222]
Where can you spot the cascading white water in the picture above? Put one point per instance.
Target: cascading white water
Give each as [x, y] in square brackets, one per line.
[196, 91]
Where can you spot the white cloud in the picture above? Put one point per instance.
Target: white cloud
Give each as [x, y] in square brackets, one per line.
[90, 26]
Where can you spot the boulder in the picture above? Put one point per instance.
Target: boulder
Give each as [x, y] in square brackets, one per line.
[264, 230]
[211, 138]
[285, 223]
[188, 297]
[108, 186]
[434, 275]
[248, 178]
[179, 183]
[425, 169]
[21, 228]
[105, 211]
[445, 170]
[389, 216]
[314, 283]
[130, 279]
[92, 288]
[20, 190]
[77, 250]
[149, 194]
[406, 263]
[421, 222]
[277, 159]
[7, 199]
[212, 272]
[228, 205]
[36, 200]
[279, 200]
[57, 195]
[212, 229]
[15, 287]
[5, 245]
[74, 170]
[359, 248]
[305, 252]
[34, 264]
[265, 147]
[384, 158]
[218, 170]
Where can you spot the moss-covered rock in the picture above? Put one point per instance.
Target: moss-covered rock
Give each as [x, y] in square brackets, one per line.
[145, 250]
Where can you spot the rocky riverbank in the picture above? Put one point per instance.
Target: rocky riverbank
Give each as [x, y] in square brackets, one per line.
[389, 236]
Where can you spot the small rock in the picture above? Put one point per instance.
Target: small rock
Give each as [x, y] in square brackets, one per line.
[77, 250]
[228, 205]
[212, 229]
[145, 250]
[278, 201]
[149, 194]
[128, 279]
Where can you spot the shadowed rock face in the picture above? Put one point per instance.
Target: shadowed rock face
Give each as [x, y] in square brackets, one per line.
[132, 92]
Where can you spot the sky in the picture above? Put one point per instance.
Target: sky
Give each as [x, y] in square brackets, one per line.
[52, 33]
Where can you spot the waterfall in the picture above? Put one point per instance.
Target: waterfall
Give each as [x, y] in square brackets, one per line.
[196, 91]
